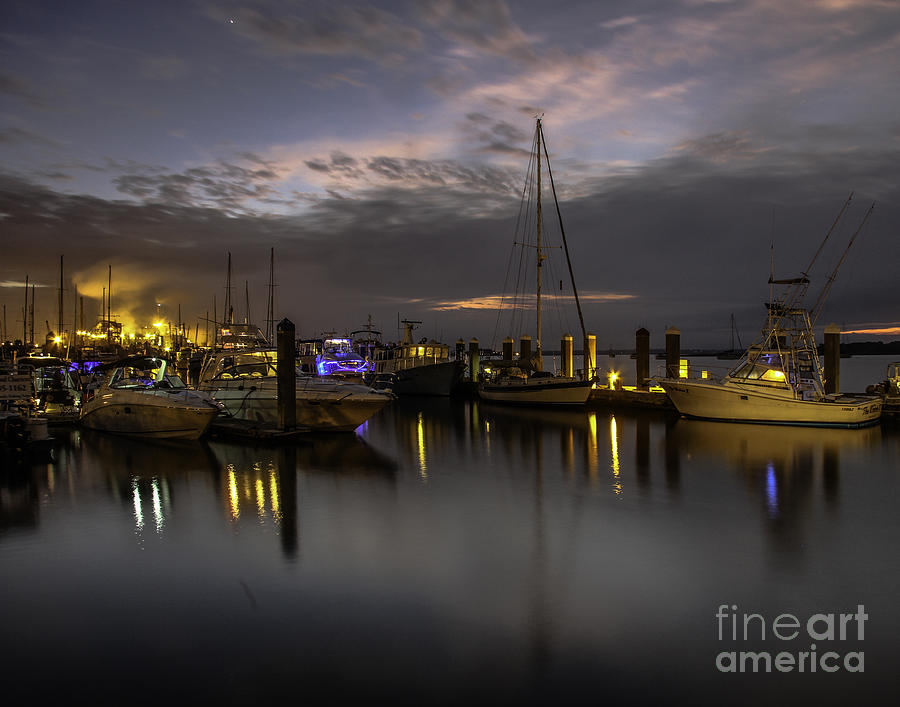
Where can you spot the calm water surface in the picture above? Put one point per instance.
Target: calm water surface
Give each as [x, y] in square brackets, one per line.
[452, 551]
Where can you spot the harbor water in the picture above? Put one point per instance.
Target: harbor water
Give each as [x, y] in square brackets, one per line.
[454, 551]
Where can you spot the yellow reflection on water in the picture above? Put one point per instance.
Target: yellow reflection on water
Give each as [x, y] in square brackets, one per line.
[614, 449]
[260, 498]
[233, 493]
[569, 452]
[273, 492]
[593, 456]
[420, 441]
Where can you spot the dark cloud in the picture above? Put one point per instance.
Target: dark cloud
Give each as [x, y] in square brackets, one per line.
[224, 185]
[492, 136]
[363, 31]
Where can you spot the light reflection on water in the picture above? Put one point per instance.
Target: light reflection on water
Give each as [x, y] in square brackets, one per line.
[548, 550]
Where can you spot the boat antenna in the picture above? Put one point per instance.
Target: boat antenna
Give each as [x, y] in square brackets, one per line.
[817, 308]
[589, 364]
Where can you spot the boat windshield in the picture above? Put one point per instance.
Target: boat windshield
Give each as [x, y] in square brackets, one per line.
[147, 375]
[172, 381]
[759, 371]
[257, 364]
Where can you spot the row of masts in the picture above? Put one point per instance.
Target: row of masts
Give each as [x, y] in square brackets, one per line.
[106, 315]
[27, 320]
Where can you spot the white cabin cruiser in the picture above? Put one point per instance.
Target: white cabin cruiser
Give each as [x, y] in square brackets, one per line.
[142, 397]
[245, 382]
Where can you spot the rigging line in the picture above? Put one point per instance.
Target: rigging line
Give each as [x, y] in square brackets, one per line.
[524, 201]
[820, 302]
[562, 231]
[517, 318]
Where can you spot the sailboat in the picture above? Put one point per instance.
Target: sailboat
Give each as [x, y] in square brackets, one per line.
[732, 353]
[779, 379]
[523, 381]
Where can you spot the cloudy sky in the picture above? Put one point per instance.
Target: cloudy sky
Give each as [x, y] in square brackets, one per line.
[381, 147]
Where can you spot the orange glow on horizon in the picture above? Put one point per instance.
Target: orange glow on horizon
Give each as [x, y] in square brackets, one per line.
[886, 331]
[495, 301]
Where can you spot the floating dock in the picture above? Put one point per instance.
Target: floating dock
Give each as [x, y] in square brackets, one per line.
[228, 427]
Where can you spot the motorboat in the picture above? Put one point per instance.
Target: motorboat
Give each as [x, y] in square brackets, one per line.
[779, 379]
[57, 386]
[245, 382]
[424, 368]
[141, 396]
[889, 389]
[332, 355]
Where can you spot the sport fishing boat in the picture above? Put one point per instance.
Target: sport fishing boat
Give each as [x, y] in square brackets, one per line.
[780, 378]
[523, 381]
[245, 382]
[425, 368]
[142, 397]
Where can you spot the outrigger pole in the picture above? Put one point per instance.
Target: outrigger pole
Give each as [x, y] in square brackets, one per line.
[820, 302]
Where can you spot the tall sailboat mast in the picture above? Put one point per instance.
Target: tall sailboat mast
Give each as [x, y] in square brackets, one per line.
[540, 255]
[270, 310]
[589, 364]
[59, 326]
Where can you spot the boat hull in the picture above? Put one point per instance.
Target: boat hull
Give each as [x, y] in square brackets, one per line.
[537, 392]
[339, 408]
[433, 379]
[146, 415]
[716, 401]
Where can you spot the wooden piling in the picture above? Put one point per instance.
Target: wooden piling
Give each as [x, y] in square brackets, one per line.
[565, 347]
[508, 349]
[832, 359]
[525, 350]
[642, 358]
[474, 364]
[673, 352]
[590, 356]
[287, 377]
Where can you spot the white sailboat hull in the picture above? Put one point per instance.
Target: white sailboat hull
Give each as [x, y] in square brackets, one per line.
[542, 391]
[747, 403]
